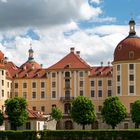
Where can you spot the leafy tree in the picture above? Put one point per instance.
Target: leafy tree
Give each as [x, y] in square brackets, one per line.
[83, 111]
[136, 113]
[113, 111]
[56, 113]
[1, 118]
[16, 111]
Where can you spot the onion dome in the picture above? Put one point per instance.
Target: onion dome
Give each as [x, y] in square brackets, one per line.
[129, 48]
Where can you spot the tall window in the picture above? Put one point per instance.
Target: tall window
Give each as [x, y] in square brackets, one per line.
[28, 125]
[42, 84]
[24, 85]
[53, 94]
[109, 93]
[81, 83]
[2, 82]
[43, 108]
[53, 84]
[33, 95]
[118, 67]
[92, 83]
[131, 89]
[131, 77]
[81, 74]
[92, 93]
[118, 90]
[131, 66]
[53, 74]
[118, 78]
[42, 94]
[109, 83]
[33, 84]
[16, 85]
[99, 93]
[99, 83]
[2, 93]
[81, 93]
[2, 72]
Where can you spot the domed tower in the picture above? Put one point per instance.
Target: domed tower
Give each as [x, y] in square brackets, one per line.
[126, 68]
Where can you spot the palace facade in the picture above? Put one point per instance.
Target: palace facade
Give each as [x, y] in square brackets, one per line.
[71, 76]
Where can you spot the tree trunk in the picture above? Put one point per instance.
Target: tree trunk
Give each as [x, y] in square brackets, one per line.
[113, 127]
[83, 126]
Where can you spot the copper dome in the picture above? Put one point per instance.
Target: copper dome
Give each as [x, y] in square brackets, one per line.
[129, 48]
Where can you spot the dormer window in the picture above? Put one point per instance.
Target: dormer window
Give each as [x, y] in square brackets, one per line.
[131, 54]
[67, 66]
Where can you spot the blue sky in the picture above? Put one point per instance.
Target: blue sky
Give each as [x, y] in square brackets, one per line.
[93, 27]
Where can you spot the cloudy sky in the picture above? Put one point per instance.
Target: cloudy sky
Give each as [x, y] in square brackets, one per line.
[93, 27]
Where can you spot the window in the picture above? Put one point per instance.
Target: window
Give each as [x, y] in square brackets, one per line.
[118, 67]
[99, 108]
[33, 95]
[53, 84]
[8, 84]
[109, 83]
[81, 92]
[33, 84]
[67, 74]
[81, 83]
[99, 93]
[24, 85]
[109, 93]
[43, 108]
[34, 108]
[131, 54]
[118, 78]
[92, 83]
[67, 83]
[131, 77]
[8, 94]
[42, 84]
[131, 89]
[2, 82]
[16, 94]
[81, 74]
[53, 94]
[99, 83]
[92, 93]
[28, 125]
[118, 90]
[125, 125]
[42, 94]
[2, 72]
[2, 93]
[25, 95]
[131, 66]
[53, 74]
[16, 85]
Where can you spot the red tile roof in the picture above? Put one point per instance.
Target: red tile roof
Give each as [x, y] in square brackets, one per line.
[30, 65]
[71, 61]
[102, 71]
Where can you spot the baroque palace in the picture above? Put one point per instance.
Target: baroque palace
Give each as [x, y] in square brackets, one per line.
[71, 76]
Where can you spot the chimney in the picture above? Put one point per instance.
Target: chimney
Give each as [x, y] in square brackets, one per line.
[78, 53]
[72, 49]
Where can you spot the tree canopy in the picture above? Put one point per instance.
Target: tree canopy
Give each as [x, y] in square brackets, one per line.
[16, 111]
[113, 111]
[135, 112]
[56, 113]
[83, 111]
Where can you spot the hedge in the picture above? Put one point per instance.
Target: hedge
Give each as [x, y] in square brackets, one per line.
[72, 135]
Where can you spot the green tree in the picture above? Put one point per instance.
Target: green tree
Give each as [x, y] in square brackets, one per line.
[1, 118]
[135, 111]
[83, 111]
[16, 111]
[113, 111]
[56, 113]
